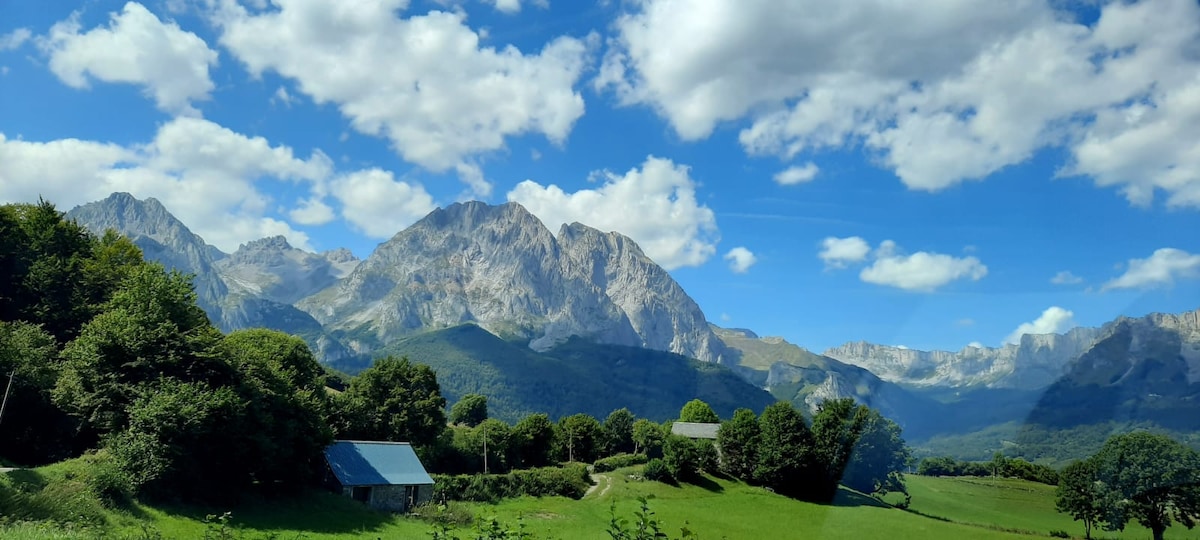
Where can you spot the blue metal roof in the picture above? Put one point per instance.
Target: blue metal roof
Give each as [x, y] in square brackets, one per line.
[368, 463]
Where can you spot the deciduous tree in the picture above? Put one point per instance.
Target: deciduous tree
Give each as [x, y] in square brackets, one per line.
[698, 411]
[470, 410]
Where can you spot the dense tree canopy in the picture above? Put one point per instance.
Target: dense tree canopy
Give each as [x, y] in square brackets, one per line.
[580, 434]
[648, 437]
[1150, 478]
[393, 400]
[618, 432]
[786, 460]
[533, 441]
[738, 439]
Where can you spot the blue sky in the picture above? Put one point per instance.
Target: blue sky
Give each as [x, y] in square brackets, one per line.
[929, 175]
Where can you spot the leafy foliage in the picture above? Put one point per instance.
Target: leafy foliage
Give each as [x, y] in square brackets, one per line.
[580, 435]
[618, 461]
[738, 438]
[648, 437]
[1150, 478]
[1080, 494]
[570, 480]
[698, 411]
[393, 400]
[469, 410]
[618, 432]
[786, 461]
[532, 442]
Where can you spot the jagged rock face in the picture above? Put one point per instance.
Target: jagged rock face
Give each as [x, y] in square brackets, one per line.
[662, 314]
[1144, 369]
[273, 269]
[499, 267]
[162, 238]
[1037, 361]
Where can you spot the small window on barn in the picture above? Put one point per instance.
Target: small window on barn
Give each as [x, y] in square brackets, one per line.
[362, 494]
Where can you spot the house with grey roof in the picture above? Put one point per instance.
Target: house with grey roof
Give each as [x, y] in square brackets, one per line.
[384, 475]
[695, 430]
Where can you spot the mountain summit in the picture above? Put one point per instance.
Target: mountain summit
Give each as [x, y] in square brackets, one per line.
[501, 268]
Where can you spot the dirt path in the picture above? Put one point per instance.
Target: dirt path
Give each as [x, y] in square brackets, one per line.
[597, 480]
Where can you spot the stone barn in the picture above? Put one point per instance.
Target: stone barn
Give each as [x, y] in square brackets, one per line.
[384, 475]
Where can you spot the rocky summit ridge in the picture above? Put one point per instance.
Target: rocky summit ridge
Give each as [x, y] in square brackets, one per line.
[501, 268]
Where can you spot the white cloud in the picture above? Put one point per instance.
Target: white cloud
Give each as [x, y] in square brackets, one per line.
[378, 204]
[939, 92]
[797, 174]
[740, 259]
[1066, 278]
[312, 211]
[1054, 320]
[205, 174]
[423, 82]
[975, 344]
[921, 271]
[840, 252]
[514, 6]
[14, 39]
[136, 48]
[1163, 267]
[281, 95]
[655, 205]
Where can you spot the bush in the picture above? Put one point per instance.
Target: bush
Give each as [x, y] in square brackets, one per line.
[656, 470]
[1060, 534]
[570, 480]
[618, 461]
[451, 513]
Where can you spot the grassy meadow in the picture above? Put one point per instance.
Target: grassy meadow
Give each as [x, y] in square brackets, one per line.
[949, 508]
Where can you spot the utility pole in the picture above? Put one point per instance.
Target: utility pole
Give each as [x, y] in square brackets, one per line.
[8, 388]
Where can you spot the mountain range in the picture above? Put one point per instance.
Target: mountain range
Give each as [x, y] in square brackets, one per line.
[475, 288]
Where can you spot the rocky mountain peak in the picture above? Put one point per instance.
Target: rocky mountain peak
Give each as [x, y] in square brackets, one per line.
[162, 238]
[501, 268]
[339, 255]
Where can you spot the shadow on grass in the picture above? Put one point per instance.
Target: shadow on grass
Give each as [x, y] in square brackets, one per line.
[312, 511]
[706, 483]
[850, 498]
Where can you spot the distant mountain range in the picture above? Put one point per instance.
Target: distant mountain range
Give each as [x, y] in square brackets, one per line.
[479, 289]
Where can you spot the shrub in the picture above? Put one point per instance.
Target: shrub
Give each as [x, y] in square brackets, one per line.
[451, 513]
[570, 480]
[1060, 534]
[618, 461]
[656, 470]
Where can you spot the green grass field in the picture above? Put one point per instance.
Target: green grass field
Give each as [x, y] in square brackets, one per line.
[1009, 504]
[949, 508]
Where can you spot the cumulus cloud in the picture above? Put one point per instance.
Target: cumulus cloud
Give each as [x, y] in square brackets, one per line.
[740, 259]
[424, 82]
[797, 174]
[655, 205]
[921, 272]
[205, 174]
[940, 93]
[14, 39]
[1054, 320]
[374, 202]
[171, 65]
[840, 252]
[1066, 278]
[975, 344]
[1161, 268]
[312, 211]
